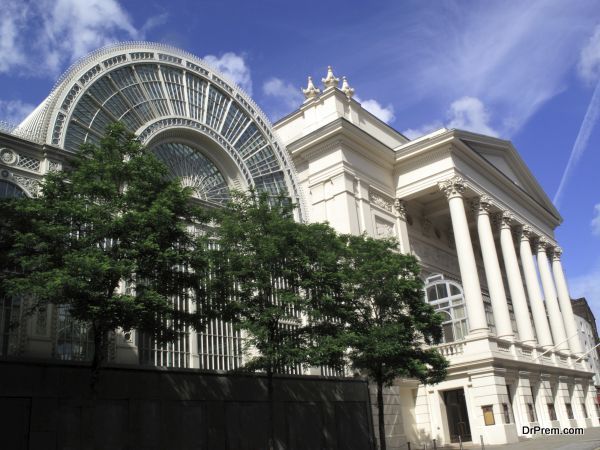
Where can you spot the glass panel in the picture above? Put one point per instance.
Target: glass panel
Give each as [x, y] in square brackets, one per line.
[442, 291]
[454, 290]
[431, 294]
[74, 340]
[10, 190]
[194, 170]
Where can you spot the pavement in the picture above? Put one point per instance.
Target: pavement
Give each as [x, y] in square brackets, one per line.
[590, 440]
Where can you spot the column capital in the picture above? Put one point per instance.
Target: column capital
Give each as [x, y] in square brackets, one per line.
[526, 233]
[556, 253]
[453, 187]
[504, 219]
[543, 244]
[481, 204]
[400, 207]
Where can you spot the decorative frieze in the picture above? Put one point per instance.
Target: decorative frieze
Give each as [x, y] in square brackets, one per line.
[383, 228]
[31, 184]
[381, 200]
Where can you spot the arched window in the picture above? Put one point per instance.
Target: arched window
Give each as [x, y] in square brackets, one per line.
[448, 300]
[10, 190]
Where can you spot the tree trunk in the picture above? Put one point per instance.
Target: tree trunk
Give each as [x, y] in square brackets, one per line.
[380, 416]
[98, 357]
[271, 428]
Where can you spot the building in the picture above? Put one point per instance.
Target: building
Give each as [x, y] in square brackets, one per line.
[588, 335]
[465, 204]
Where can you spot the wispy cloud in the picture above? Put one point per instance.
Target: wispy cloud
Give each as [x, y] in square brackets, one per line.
[384, 113]
[512, 55]
[41, 38]
[234, 67]
[466, 113]
[596, 221]
[14, 111]
[589, 70]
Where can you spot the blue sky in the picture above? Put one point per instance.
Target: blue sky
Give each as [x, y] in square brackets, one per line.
[525, 71]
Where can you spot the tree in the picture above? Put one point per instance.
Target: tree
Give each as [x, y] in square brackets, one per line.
[113, 218]
[279, 280]
[389, 326]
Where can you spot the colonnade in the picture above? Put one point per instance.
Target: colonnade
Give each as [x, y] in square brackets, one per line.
[554, 322]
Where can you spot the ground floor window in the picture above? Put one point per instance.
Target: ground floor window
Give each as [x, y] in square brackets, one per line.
[531, 412]
[551, 411]
[569, 411]
[10, 316]
[74, 339]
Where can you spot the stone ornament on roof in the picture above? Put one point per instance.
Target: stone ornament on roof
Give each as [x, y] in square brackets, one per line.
[330, 80]
[311, 91]
[346, 89]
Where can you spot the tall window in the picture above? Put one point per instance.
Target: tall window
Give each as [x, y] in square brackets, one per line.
[448, 300]
[74, 340]
[10, 317]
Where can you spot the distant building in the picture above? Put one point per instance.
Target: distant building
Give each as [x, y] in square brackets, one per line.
[588, 335]
[465, 204]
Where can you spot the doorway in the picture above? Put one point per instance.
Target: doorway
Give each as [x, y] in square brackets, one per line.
[458, 419]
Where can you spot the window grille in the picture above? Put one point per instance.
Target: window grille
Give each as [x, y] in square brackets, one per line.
[74, 339]
[10, 317]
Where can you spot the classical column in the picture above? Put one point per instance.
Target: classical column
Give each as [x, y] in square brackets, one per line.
[533, 289]
[564, 300]
[515, 282]
[453, 188]
[493, 275]
[556, 321]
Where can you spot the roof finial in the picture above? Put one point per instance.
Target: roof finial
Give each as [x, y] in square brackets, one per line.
[330, 80]
[346, 89]
[311, 91]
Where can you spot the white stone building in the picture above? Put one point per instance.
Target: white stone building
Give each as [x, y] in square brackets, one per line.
[465, 204]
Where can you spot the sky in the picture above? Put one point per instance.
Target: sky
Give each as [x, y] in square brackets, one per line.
[524, 71]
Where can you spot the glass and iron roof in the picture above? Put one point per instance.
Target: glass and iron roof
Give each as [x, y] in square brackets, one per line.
[152, 88]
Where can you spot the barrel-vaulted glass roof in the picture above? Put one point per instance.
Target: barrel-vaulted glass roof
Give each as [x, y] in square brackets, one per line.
[152, 88]
[194, 170]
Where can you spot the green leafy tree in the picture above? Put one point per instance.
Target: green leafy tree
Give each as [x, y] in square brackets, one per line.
[389, 326]
[113, 218]
[279, 278]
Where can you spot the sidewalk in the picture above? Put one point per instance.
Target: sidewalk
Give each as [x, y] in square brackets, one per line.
[589, 441]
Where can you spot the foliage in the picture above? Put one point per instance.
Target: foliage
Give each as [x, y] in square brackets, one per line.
[389, 326]
[114, 219]
[273, 271]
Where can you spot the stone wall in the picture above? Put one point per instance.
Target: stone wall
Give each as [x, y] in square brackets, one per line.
[51, 406]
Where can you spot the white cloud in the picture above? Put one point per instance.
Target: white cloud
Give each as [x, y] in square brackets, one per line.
[465, 113]
[589, 70]
[512, 69]
[384, 113]
[286, 93]
[42, 37]
[596, 221]
[469, 113]
[413, 133]
[14, 111]
[589, 60]
[12, 21]
[234, 67]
